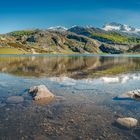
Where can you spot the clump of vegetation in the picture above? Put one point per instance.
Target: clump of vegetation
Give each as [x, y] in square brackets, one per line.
[134, 40]
[112, 36]
[22, 32]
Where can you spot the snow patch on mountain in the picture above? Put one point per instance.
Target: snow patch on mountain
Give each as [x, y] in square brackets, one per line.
[121, 28]
[58, 28]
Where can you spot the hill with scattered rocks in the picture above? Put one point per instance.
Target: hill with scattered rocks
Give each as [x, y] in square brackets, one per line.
[59, 40]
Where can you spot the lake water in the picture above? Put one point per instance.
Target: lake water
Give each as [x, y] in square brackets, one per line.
[84, 86]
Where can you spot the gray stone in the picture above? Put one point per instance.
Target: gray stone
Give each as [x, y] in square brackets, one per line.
[15, 99]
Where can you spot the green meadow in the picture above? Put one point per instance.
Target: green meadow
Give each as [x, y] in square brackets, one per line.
[11, 51]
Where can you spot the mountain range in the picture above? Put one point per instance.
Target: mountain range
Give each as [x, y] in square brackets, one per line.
[112, 38]
[123, 28]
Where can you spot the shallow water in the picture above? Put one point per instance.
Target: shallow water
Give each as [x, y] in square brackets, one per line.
[85, 87]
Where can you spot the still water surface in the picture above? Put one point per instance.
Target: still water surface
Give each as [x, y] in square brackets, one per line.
[85, 87]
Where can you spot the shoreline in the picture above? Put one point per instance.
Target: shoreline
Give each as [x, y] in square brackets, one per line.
[51, 54]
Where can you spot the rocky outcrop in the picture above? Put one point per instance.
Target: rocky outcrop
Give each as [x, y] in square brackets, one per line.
[110, 50]
[80, 30]
[127, 122]
[49, 41]
[40, 92]
[136, 48]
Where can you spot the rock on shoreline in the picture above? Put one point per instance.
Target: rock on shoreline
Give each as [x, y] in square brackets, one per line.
[40, 92]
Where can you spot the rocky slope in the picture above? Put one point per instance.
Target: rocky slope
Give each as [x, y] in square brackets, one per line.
[112, 41]
[73, 40]
[50, 41]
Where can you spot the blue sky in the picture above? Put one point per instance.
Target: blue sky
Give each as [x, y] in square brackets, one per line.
[28, 14]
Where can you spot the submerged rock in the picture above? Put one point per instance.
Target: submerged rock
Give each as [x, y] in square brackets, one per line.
[15, 99]
[127, 122]
[40, 92]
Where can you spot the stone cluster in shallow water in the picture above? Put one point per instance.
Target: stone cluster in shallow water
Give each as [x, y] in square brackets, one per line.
[128, 122]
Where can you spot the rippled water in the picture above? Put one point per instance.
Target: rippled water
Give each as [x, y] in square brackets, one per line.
[85, 87]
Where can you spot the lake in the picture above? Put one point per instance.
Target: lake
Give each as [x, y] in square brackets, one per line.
[84, 85]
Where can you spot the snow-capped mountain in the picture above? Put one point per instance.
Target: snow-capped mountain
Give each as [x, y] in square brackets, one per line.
[121, 28]
[58, 28]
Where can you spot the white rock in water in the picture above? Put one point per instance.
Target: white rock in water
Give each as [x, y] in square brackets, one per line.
[135, 94]
[15, 99]
[127, 122]
[40, 92]
[127, 95]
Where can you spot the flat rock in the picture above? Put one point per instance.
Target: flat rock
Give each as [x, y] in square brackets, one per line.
[127, 122]
[40, 92]
[15, 99]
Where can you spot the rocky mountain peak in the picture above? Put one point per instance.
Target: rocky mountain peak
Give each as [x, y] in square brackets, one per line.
[58, 28]
[113, 26]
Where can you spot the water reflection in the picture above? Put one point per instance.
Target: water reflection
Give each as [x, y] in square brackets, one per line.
[121, 78]
[87, 85]
[74, 67]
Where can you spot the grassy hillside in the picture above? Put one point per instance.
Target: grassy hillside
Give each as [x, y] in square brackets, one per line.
[75, 40]
[106, 36]
[115, 37]
[6, 50]
[112, 36]
[40, 41]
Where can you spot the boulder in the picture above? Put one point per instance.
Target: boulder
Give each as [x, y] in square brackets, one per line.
[127, 122]
[40, 92]
[15, 99]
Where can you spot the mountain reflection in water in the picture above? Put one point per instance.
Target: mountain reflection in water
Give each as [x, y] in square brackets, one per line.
[76, 67]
